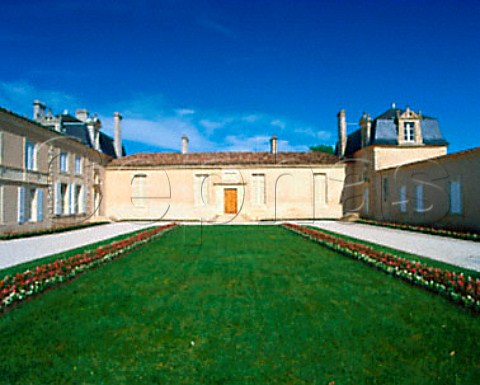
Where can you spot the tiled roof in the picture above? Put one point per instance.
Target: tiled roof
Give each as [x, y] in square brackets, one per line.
[224, 158]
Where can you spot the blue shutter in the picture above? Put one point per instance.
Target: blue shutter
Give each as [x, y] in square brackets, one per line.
[72, 198]
[84, 199]
[21, 204]
[40, 195]
[58, 199]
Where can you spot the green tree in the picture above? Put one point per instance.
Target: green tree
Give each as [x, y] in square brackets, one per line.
[323, 148]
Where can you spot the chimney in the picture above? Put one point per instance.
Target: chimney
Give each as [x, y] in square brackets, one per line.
[184, 144]
[38, 110]
[273, 145]
[82, 115]
[93, 133]
[366, 125]
[342, 133]
[117, 140]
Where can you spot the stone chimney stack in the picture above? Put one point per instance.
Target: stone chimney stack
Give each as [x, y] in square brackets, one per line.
[184, 144]
[39, 109]
[273, 145]
[342, 133]
[117, 139]
[82, 115]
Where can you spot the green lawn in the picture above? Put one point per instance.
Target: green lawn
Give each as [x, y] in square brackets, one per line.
[262, 306]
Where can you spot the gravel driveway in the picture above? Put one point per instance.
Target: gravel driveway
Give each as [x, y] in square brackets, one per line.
[458, 252]
[22, 250]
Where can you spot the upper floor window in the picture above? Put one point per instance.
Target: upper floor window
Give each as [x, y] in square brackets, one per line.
[63, 162]
[409, 132]
[29, 155]
[78, 165]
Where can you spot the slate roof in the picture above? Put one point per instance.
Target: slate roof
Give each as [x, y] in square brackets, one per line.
[224, 158]
[384, 132]
[72, 126]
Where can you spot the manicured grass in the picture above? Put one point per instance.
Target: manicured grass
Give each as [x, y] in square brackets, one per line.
[403, 254]
[262, 306]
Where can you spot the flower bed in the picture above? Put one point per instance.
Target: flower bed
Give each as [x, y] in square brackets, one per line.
[53, 230]
[469, 236]
[14, 289]
[465, 290]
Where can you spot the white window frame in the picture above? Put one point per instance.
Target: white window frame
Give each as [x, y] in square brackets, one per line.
[409, 132]
[63, 162]
[403, 199]
[419, 206]
[201, 189]
[455, 194]
[30, 155]
[258, 191]
[78, 165]
[137, 196]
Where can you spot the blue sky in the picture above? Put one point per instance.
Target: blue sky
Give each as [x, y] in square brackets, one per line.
[229, 74]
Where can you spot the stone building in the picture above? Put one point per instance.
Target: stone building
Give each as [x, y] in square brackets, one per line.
[63, 169]
[221, 187]
[52, 168]
[397, 170]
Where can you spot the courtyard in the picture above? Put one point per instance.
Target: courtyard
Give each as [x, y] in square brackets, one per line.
[238, 304]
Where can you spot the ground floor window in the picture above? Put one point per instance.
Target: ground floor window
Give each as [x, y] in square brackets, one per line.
[61, 199]
[419, 198]
[455, 197]
[403, 199]
[30, 204]
[365, 201]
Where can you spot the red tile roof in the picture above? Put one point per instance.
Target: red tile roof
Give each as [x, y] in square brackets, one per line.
[224, 158]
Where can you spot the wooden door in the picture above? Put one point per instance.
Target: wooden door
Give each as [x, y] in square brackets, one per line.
[230, 199]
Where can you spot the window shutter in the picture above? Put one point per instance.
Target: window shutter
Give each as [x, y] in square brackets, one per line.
[455, 197]
[84, 200]
[72, 198]
[21, 204]
[40, 195]
[58, 199]
[419, 198]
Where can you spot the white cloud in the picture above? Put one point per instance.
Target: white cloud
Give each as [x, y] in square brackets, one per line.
[278, 123]
[151, 120]
[185, 111]
[19, 96]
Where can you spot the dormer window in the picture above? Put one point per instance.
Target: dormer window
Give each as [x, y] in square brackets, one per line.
[409, 132]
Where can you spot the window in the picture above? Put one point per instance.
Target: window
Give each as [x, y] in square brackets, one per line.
[365, 201]
[78, 165]
[455, 197]
[61, 199]
[403, 199]
[385, 189]
[40, 203]
[258, 190]
[63, 162]
[201, 189]
[409, 132]
[419, 198]
[320, 181]
[29, 155]
[138, 190]
[27, 205]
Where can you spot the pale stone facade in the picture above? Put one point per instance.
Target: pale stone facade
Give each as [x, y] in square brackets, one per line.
[47, 177]
[407, 177]
[57, 170]
[199, 193]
